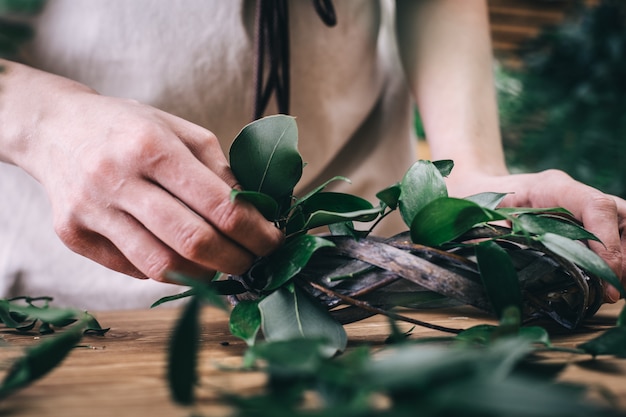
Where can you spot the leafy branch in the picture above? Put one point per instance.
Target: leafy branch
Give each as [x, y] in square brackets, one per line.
[453, 250]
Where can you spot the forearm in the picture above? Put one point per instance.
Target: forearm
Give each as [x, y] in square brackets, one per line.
[28, 99]
[446, 51]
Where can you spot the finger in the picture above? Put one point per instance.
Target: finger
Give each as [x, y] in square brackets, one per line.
[101, 250]
[184, 231]
[621, 212]
[599, 214]
[600, 218]
[204, 145]
[206, 194]
[143, 250]
[134, 263]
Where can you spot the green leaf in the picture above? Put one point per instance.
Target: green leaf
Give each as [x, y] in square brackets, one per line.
[498, 276]
[390, 196]
[264, 156]
[479, 334]
[319, 189]
[15, 32]
[325, 218]
[611, 342]
[444, 166]
[421, 184]
[291, 356]
[26, 7]
[447, 218]
[5, 315]
[265, 204]
[174, 297]
[540, 224]
[325, 208]
[510, 322]
[207, 292]
[92, 326]
[54, 316]
[182, 354]
[487, 200]
[536, 335]
[621, 319]
[396, 336]
[583, 257]
[516, 211]
[222, 287]
[245, 321]
[40, 359]
[288, 315]
[287, 261]
[295, 223]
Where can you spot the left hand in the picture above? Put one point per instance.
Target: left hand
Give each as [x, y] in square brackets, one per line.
[602, 214]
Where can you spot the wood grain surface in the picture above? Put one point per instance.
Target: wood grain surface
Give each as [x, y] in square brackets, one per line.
[122, 373]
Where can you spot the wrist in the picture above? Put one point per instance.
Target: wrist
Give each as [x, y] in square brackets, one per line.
[29, 100]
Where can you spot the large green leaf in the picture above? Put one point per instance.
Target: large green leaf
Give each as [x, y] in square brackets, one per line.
[421, 184]
[245, 321]
[447, 218]
[499, 276]
[288, 315]
[288, 260]
[583, 257]
[264, 156]
[182, 354]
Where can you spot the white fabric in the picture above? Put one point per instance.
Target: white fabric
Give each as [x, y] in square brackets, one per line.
[194, 58]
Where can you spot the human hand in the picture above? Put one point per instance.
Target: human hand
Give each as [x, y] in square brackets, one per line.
[136, 189]
[602, 214]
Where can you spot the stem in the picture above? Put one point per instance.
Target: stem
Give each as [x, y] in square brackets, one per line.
[378, 220]
[368, 307]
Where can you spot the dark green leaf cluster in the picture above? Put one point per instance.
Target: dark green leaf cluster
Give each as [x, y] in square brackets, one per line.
[301, 335]
[23, 314]
[265, 160]
[570, 112]
[13, 31]
[409, 380]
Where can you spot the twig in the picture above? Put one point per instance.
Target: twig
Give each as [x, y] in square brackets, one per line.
[368, 307]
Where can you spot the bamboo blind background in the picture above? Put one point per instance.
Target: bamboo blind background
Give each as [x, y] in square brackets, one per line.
[515, 21]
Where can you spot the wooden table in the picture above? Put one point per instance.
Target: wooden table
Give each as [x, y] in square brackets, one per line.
[122, 374]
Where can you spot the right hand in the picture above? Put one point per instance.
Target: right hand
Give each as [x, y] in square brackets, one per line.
[135, 189]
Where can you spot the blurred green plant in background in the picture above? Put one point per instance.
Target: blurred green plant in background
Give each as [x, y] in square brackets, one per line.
[566, 107]
[14, 30]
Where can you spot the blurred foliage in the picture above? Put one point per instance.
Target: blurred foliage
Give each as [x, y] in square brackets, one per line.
[13, 29]
[567, 108]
